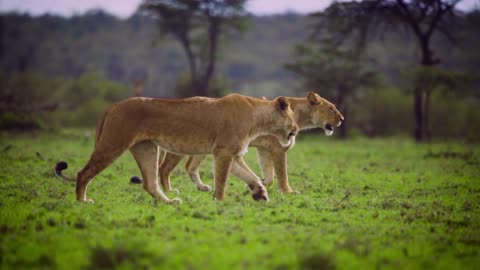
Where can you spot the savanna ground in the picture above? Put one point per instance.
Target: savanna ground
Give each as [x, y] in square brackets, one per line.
[363, 204]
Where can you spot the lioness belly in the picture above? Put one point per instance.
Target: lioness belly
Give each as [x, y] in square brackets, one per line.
[184, 146]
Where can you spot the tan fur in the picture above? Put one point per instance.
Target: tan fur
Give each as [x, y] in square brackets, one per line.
[222, 127]
[310, 112]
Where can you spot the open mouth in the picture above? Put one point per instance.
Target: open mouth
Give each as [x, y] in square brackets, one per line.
[290, 139]
[328, 129]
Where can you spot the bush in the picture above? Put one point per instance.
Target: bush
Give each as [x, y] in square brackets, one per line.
[383, 112]
[455, 117]
[184, 88]
[11, 121]
[29, 101]
[84, 99]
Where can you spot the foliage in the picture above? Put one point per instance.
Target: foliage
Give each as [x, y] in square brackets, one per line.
[383, 203]
[386, 111]
[218, 87]
[383, 112]
[337, 73]
[25, 100]
[85, 98]
[30, 101]
[59, 50]
[433, 78]
[198, 26]
[429, 79]
[331, 71]
[122, 50]
[421, 18]
[361, 20]
[453, 117]
[26, 92]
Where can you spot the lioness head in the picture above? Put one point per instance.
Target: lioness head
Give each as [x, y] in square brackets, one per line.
[324, 114]
[286, 127]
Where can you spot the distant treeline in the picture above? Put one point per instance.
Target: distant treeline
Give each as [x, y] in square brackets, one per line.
[65, 54]
[252, 62]
[131, 49]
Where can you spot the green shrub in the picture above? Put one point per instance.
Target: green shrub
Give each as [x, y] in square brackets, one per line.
[383, 112]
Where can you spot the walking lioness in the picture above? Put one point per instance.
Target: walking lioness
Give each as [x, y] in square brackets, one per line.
[312, 111]
[223, 127]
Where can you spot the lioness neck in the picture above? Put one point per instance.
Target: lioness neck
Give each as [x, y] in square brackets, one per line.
[301, 109]
[264, 119]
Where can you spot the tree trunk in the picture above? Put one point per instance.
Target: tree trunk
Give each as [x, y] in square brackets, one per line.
[418, 114]
[343, 128]
[340, 100]
[213, 34]
[428, 131]
[427, 60]
[192, 65]
[185, 41]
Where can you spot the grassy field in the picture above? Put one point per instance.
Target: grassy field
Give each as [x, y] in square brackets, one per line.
[363, 204]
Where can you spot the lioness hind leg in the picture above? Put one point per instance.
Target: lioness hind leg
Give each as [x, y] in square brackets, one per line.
[147, 155]
[99, 160]
[241, 170]
[223, 163]
[192, 166]
[165, 169]
[265, 161]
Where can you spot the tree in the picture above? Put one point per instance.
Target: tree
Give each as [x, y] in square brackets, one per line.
[422, 18]
[335, 73]
[430, 78]
[198, 26]
[333, 67]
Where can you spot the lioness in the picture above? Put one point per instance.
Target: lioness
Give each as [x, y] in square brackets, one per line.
[310, 112]
[223, 127]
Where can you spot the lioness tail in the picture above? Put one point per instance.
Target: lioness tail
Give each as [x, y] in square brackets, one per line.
[136, 180]
[59, 167]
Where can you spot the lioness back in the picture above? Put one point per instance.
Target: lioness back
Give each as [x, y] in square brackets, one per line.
[190, 126]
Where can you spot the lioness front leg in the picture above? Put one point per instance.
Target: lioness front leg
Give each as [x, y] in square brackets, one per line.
[192, 166]
[265, 161]
[241, 170]
[280, 165]
[223, 162]
[147, 155]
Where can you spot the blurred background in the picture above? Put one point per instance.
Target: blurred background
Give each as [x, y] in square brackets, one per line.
[393, 67]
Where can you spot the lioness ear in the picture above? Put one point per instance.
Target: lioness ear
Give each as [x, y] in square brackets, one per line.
[313, 98]
[281, 103]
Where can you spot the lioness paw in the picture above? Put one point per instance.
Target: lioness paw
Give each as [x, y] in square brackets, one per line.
[289, 190]
[206, 188]
[89, 201]
[175, 201]
[267, 182]
[260, 195]
[176, 190]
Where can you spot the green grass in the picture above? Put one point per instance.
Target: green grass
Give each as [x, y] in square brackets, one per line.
[364, 204]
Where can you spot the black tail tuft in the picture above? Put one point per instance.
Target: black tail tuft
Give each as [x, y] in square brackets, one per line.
[135, 180]
[59, 167]
[62, 165]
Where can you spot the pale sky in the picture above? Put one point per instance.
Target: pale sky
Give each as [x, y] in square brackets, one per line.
[124, 8]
